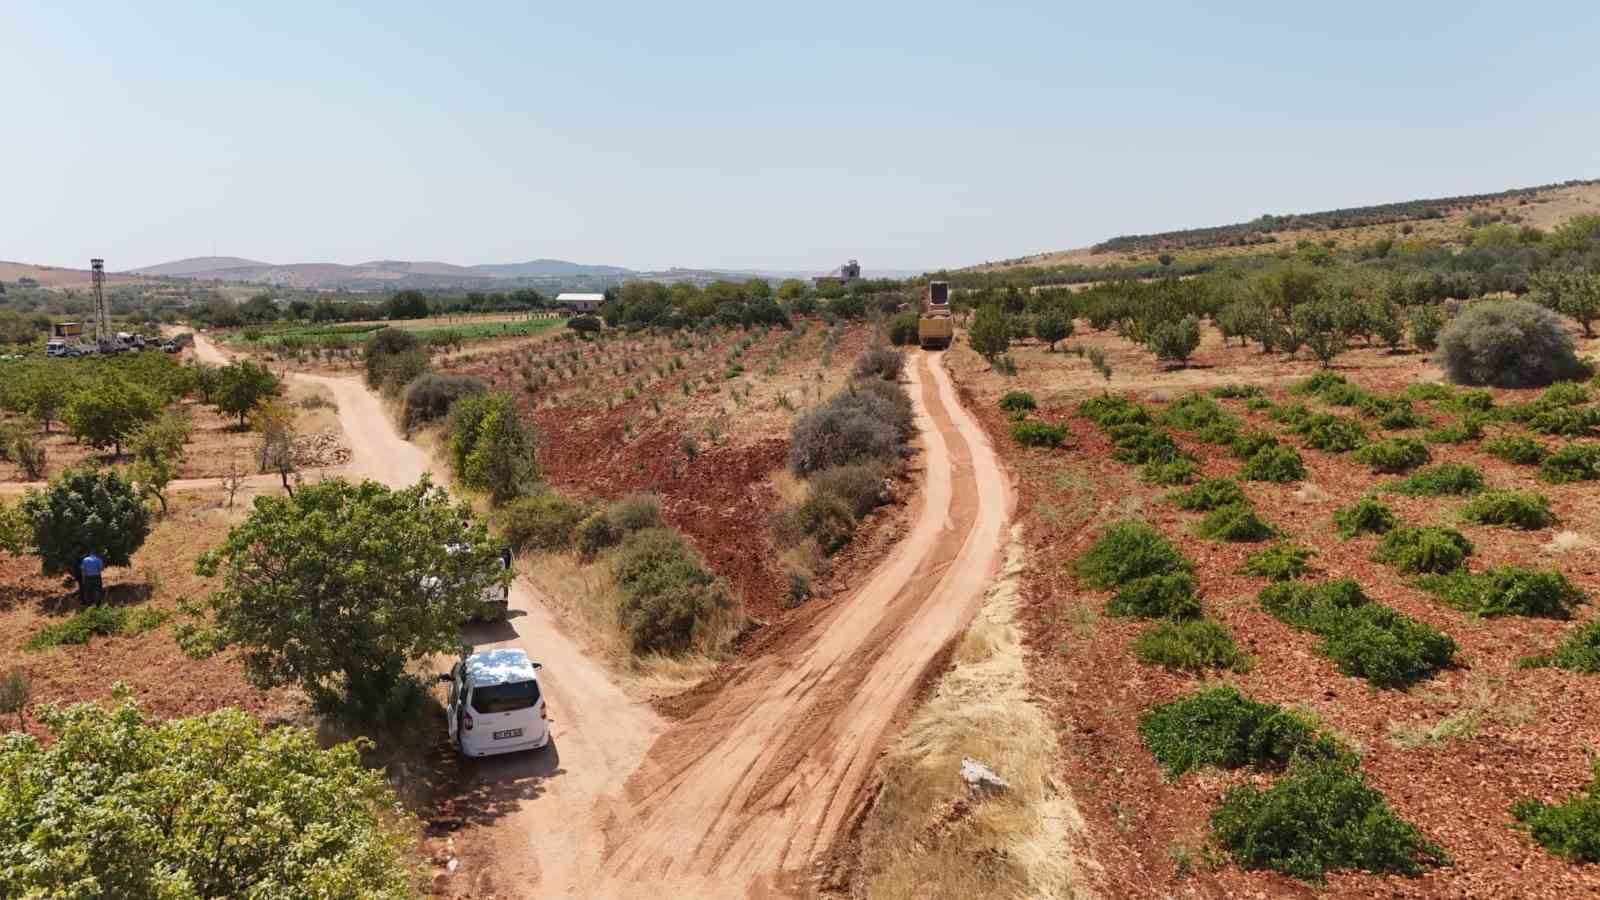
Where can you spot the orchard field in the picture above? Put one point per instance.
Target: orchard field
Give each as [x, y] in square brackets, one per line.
[1401, 566]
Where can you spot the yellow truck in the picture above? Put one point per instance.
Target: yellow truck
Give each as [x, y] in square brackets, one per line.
[935, 327]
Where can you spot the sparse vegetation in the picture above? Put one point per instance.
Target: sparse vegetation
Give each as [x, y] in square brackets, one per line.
[668, 599]
[1394, 455]
[1364, 638]
[1518, 449]
[1571, 829]
[1208, 494]
[1168, 595]
[1192, 645]
[1235, 522]
[1526, 510]
[1425, 550]
[1507, 591]
[1280, 562]
[1366, 516]
[1278, 464]
[1219, 727]
[1444, 479]
[1572, 462]
[1126, 551]
[1038, 434]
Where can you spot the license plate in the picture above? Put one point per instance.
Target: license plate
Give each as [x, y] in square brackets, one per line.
[515, 732]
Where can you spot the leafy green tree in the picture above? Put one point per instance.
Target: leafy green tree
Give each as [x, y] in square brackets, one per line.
[1052, 325]
[340, 585]
[1318, 325]
[991, 332]
[15, 532]
[241, 385]
[1426, 321]
[408, 304]
[391, 358]
[1571, 293]
[115, 805]
[44, 396]
[85, 511]
[274, 422]
[1175, 340]
[157, 447]
[491, 448]
[103, 414]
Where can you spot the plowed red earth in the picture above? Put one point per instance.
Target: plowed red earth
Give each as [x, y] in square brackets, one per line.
[1535, 730]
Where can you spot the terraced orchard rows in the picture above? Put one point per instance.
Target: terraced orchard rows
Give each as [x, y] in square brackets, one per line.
[1396, 583]
[700, 418]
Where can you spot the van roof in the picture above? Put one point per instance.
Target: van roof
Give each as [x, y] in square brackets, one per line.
[504, 666]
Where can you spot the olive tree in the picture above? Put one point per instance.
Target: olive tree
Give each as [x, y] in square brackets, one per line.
[337, 587]
[1175, 340]
[118, 805]
[1321, 326]
[84, 511]
[1052, 325]
[1573, 294]
[274, 422]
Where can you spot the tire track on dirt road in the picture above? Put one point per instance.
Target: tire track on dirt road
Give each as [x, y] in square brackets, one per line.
[747, 793]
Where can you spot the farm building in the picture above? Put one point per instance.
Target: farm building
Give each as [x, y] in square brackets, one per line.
[845, 274]
[580, 302]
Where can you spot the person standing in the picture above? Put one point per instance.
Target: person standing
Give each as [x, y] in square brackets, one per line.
[89, 584]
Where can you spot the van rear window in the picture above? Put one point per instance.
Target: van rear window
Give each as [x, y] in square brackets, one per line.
[498, 698]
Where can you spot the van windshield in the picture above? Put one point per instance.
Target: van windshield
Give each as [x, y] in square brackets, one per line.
[498, 698]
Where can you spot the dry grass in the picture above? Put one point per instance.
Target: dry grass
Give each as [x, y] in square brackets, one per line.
[927, 835]
[1482, 702]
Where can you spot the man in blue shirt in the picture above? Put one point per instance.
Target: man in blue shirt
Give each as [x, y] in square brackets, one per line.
[89, 585]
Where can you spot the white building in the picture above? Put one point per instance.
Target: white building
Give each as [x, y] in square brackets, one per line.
[581, 302]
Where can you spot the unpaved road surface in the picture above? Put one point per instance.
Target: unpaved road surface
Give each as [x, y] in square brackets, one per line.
[749, 791]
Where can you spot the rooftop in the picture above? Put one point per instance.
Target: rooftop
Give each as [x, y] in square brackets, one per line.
[503, 666]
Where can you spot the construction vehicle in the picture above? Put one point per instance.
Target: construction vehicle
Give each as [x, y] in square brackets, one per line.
[935, 326]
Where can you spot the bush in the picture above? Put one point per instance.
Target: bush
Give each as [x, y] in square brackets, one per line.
[1275, 464]
[1219, 727]
[393, 356]
[1426, 391]
[1579, 651]
[1191, 646]
[1508, 591]
[1203, 416]
[1209, 494]
[1393, 455]
[1366, 516]
[1177, 471]
[1319, 383]
[1321, 816]
[1038, 434]
[605, 528]
[96, 621]
[1139, 444]
[1518, 449]
[543, 521]
[1332, 434]
[1467, 428]
[1441, 480]
[1252, 442]
[859, 485]
[879, 362]
[1169, 595]
[1108, 410]
[825, 518]
[114, 804]
[1279, 562]
[1126, 551]
[1574, 462]
[838, 433]
[429, 396]
[666, 594]
[1429, 549]
[1364, 639]
[1236, 522]
[1519, 509]
[1018, 401]
[1476, 400]
[595, 533]
[1400, 415]
[1510, 343]
[903, 329]
[1570, 830]
[1237, 391]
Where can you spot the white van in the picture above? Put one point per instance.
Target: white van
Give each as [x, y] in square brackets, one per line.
[495, 704]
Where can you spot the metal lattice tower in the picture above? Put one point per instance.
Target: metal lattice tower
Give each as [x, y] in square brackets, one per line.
[102, 316]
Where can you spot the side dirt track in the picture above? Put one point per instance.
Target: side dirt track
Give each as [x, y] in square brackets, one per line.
[753, 788]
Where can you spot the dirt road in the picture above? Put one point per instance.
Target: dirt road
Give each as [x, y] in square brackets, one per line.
[759, 783]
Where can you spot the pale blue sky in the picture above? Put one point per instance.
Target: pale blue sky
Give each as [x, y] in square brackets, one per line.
[794, 135]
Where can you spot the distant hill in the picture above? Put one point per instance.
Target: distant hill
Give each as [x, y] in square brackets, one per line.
[196, 265]
[1441, 219]
[536, 268]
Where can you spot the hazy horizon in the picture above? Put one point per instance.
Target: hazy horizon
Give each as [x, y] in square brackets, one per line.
[756, 138]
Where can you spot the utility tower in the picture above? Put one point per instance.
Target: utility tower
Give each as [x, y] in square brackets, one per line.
[103, 336]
